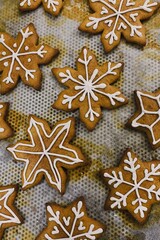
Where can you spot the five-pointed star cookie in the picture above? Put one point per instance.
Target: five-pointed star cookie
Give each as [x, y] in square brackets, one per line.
[5, 129]
[147, 116]
[70, 223]
[89, 88]
[51, 6]
[47, 153]
[119, 17]
[134, 186]
[9, 216]
[21, 57]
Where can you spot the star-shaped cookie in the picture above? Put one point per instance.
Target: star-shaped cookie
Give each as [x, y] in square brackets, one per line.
[9, 216]
[89, 88]
[5, 129]
[21, 57]
[51, 6]
[70, 223]
[119, 17]
[47, 153]
[134, 186]
[147, 116]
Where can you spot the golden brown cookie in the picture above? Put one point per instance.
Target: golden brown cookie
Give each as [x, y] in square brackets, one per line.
[5, 129]
[9, 216]
[51, 6]
[147, 116]
[21, 57]
[89, 88]
[134, 186]
[70, 223]
[119, 17]
[47, 153]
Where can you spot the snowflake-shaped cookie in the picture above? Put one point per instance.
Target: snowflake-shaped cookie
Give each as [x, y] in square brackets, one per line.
[47, 153]
[9, 215]
[70, 223]
[20, 58]
[51, 6]
[134, 186]
[89, 88]
[5, 129]
[119, 17]
[147, 116]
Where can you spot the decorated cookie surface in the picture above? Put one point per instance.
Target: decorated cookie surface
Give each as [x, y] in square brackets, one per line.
[20, 57]
[47, 152]
[119, 17]
[9, 215]
[89, 88]
[5, 129]
[147, 116]
[134, 186]
[70, 223]
[51, 6]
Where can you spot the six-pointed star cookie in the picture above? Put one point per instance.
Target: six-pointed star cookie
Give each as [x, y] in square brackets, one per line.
[70, 223]
[9, 216]
[51, 6]
[47, 153]
[134, 186]
[5, 129]
[20, 58]
[89, 88]
[119, 17]
[147, 116]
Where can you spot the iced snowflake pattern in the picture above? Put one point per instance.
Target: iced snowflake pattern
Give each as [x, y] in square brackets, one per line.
[147, 109]
[144, 186]
[89, 87]
[47, 157]
[51, 6]
[119, 16]
[71, 226]
[17, 58]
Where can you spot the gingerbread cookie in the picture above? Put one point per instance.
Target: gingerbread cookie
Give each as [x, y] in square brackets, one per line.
[51, 6]
[9, 216]
[47, 153]
[20, 58]
[89, 88]
[5, 129]
[134, 186]
[119, 17]
[147, 116]
[70, 223]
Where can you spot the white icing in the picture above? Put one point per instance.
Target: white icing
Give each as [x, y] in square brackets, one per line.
[120, 20]
[117, 179]
[10, 216]
[50, 4]
[81, 233]
[135, 122]
[53, 158]
[88, 86]
[15, 56]
[1, 129]
[6, 64]
[29, 60]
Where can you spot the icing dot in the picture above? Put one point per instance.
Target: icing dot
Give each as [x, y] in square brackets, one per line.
[1, 106]
[29, 60]
[6, 64]
[26, 48]
[4, 53]
[15, 45]
[17, 68]
[1, 130]
[0, 207]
